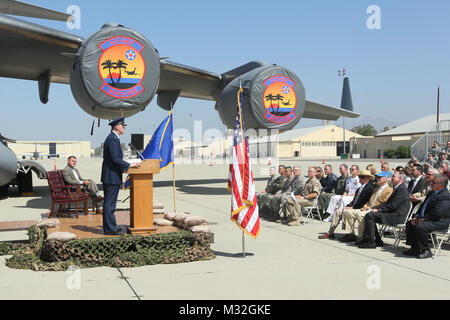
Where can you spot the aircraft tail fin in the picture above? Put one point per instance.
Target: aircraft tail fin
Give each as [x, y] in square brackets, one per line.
[346, 100]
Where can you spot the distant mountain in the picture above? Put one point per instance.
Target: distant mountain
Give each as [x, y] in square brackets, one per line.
[378, 123]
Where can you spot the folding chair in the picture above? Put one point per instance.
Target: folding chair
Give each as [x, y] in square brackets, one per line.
[310, 209]
[435, 240]
[398, 227]
[401, 228]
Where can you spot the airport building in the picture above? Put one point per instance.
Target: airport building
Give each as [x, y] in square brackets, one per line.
[27, 148]
[418, 134]
[314, 142]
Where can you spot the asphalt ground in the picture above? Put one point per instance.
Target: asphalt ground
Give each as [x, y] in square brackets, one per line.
[282, 263]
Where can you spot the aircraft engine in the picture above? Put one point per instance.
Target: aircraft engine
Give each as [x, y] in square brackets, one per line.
[115, 73]
[8, 164]
[273, 98]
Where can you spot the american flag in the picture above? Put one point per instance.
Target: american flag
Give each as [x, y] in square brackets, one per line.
[244, 208]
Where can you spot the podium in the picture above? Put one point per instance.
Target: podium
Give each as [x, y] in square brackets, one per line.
[141, 197]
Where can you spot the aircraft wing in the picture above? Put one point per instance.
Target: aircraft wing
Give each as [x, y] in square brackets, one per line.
[28, 10]
[314, 110]
[193, 83]
[29, 50]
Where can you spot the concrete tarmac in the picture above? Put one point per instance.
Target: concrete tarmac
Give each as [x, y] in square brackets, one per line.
[282, 263]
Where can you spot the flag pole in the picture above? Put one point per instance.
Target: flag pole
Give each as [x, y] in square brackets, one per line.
[243, 243]
[243, 150]
[173, 175]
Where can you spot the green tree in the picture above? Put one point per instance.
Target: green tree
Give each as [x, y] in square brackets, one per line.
[365, 130]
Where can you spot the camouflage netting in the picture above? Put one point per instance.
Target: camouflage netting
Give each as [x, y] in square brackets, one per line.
[125, 251]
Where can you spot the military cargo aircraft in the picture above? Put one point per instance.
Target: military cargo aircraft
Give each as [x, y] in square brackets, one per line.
[117, 71]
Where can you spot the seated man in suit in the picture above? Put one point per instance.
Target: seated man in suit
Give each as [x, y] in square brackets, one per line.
[379, 197]
[295, 204]
[418, 184]
[393, 212]
[324, 198]
[71, 175]
[362, 195]
[433, 215]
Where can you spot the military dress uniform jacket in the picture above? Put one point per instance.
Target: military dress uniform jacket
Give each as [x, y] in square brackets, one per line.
[113, 164]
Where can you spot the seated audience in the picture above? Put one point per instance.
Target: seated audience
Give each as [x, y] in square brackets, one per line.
[378, 198]
[320, 176]
[435, 150]
[433, 215]
[393, 212]
[385, 167]
[361, 197]
[430, 160]
[418, 185]
[279, 200]
[340, 201]
[268, 199]
[274, 187]
[324, 198]
[442, 158]
[295, 204]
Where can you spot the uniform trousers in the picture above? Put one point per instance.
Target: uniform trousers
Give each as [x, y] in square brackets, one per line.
[293, 208]
[111, 192]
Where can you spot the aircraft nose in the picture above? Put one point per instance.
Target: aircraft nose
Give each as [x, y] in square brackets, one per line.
[8, 164]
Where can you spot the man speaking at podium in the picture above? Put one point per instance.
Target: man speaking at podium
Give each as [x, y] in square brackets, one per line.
[112, 168]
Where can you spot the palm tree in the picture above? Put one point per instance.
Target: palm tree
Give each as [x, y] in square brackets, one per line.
[270, 97]
[120, 64]
[108, 64]
[279, 98]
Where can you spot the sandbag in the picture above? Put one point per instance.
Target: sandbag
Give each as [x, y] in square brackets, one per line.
[200, 228]
[49, 223]
[195, 220]
[61, 236]
[163, 222]
[170, 216]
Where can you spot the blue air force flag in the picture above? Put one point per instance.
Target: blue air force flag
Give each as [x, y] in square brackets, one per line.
[160, 146]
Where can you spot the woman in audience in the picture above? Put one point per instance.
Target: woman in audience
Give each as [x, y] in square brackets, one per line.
[320, 176]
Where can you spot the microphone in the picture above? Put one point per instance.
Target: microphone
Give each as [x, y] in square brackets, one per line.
[132, 147]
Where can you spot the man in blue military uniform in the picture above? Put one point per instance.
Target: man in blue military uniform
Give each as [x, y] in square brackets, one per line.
[112, 168]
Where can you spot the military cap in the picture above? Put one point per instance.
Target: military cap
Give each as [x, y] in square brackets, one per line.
[117, 121]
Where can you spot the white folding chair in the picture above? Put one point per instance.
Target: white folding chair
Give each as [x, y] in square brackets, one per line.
[396, 228]
[438, 243]
[399, 230]
[310, 210]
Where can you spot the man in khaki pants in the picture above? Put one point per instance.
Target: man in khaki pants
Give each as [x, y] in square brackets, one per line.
[379, 197]
[310, 192]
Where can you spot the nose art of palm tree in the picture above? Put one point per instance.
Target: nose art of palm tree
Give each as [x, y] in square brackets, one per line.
[121, 67]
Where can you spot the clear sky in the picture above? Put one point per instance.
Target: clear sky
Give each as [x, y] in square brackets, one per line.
[394, 71]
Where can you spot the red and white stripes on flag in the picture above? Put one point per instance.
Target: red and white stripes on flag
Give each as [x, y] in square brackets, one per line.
[244, 207]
